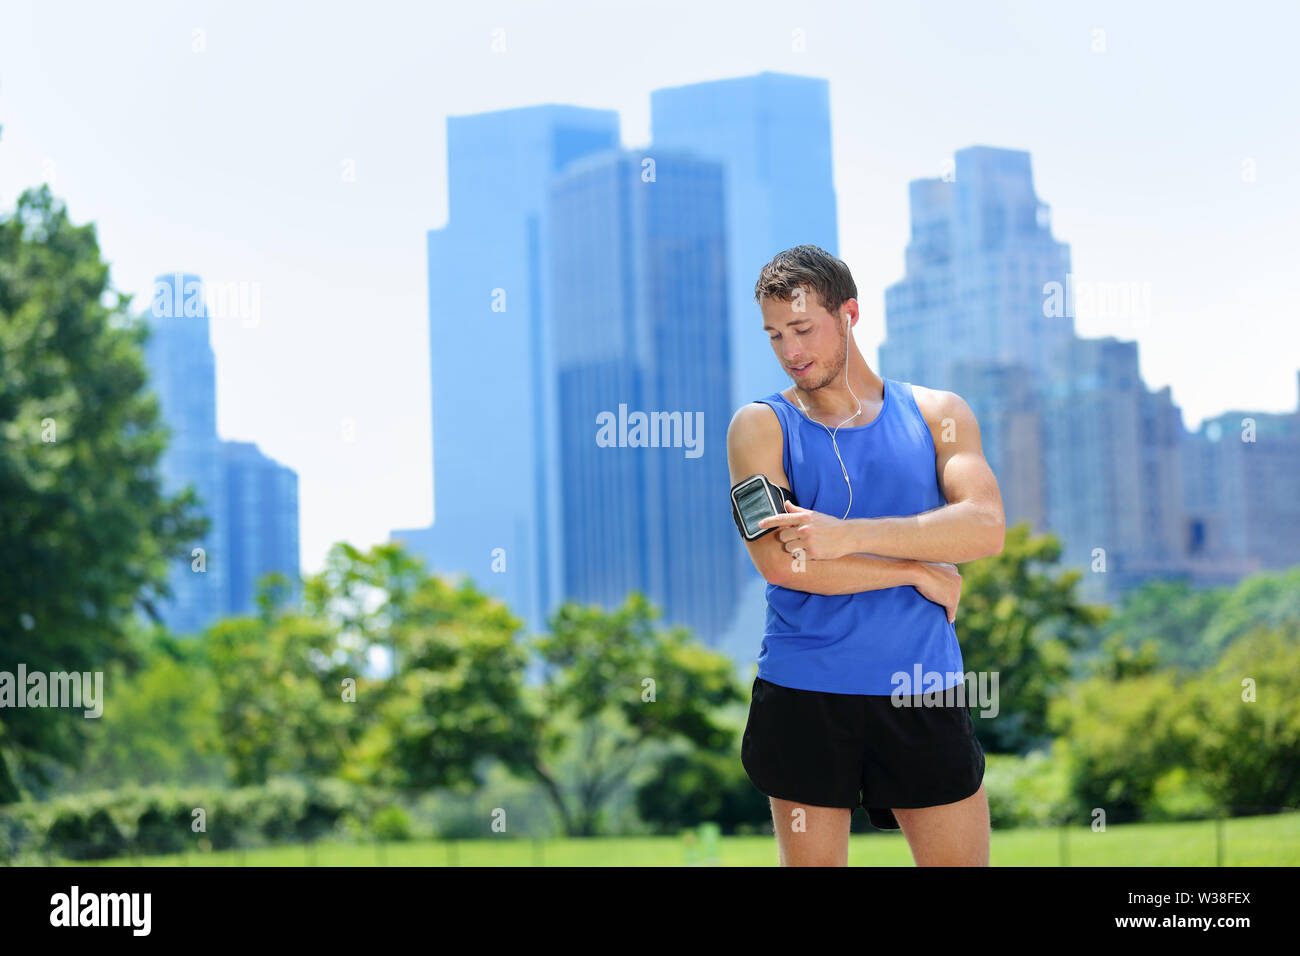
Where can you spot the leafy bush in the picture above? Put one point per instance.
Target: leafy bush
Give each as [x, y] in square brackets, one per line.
[93, 836]
[1032, 790]
[1167, 745]
[702, 787]
[391, 823]
[159, 820]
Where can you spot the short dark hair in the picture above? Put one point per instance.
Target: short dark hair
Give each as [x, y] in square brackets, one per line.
[811, 268]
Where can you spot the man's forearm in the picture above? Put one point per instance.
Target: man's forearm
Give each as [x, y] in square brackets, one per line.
[849, 575]
[952, 534]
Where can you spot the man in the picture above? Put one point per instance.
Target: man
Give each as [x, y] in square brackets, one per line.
[891, 491]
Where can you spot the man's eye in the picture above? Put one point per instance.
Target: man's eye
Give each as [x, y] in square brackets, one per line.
[802, 331]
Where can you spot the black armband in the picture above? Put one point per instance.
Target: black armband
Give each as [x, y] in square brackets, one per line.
[753, 499]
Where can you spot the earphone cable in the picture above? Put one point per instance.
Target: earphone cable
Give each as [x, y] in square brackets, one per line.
[834, 443]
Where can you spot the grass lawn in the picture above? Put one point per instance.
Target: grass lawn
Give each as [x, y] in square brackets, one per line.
[1247, 841]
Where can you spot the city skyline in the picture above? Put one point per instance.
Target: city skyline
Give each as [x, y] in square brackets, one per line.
[1123, 183]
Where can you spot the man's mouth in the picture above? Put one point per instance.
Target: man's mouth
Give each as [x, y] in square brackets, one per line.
[800, 369]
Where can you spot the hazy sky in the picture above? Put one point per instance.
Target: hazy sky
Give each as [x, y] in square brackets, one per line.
[1163, 137]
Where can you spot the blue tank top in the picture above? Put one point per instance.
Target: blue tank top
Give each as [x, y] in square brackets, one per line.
[856, 643]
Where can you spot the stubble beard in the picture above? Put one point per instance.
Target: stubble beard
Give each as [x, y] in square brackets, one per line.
[837, 369]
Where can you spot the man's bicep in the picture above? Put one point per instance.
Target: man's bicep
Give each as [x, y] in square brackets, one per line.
[966, 476]
[964, 473]
[754, 447]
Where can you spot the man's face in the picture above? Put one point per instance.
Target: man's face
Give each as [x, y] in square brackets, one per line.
[809, 342]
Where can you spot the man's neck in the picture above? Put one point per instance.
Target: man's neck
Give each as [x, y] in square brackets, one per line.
[834, 401]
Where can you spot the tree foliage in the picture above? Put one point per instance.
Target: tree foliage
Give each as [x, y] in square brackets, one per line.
[85, 530]
[613, 684]
[1019, 620]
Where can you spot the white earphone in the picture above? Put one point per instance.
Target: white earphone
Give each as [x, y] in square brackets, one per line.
[835, 444]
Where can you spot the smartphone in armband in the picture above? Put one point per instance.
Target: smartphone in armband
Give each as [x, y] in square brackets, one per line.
[753, 499]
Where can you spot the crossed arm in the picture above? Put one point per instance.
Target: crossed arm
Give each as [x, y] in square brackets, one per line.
[821, 554]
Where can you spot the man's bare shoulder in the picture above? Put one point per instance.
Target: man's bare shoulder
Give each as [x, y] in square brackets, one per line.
[755, 443]
[754, 421]
[939, 407]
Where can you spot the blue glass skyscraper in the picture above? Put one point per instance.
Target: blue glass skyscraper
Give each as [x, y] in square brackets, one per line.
[772, 134]
[261, 518]
[182, 368]
[641, 341]
[498, 325]
[492, 374]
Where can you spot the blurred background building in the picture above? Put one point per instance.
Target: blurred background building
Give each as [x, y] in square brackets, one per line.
[579, 282]
[250, 501]
[1080, 446]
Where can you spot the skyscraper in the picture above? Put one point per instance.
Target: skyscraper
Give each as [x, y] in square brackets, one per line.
[261, 518]
[498, 486]
[772, 134]
[1113, 464]
[980, 255]
[494, 458]
[1080, 446]
[182, 367]
[641, 347]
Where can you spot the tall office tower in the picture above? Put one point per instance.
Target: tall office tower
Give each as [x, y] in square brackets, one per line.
[1242, 494]
[261, 515]
[641, 345]
[980, 257]
[1114, 470]
[772, 133]
[182, 368]
[494, 447]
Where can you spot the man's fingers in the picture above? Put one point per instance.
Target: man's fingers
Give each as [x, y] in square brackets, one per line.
[774, 521]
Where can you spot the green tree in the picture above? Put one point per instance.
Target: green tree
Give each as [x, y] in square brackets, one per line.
[1228, 736]
[454, 699]
[1269, 600]
[1243, 720]
[1118, 658]
[701, 786]
[613, 685]
[86, 533]
[159, 723]
[280, 681]
[1189, 628]
[432, 669]
[1023, 623]
[1119, 738]
[1168, 616]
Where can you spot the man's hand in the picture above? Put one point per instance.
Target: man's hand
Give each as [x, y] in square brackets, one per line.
[819, 536]
[940, 583]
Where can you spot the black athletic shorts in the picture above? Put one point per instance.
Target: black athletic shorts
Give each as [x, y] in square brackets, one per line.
[851, 750]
